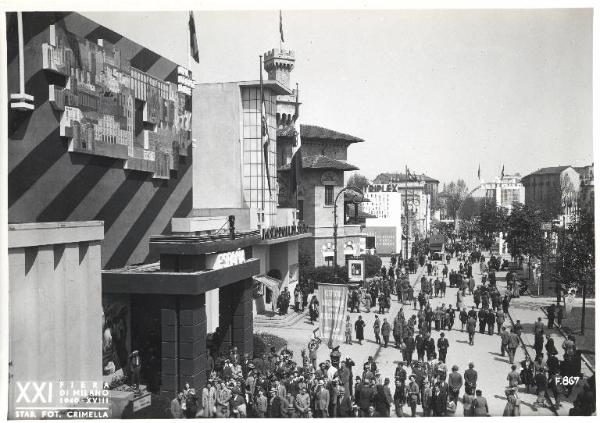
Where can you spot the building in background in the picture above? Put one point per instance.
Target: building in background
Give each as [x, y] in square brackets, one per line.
[586, 186]
[554, 190]
[229, 153]
[324, 161]
[392, 194]
[503, 191]
[99, 161]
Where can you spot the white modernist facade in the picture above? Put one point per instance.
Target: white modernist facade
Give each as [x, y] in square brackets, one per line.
[504, 191]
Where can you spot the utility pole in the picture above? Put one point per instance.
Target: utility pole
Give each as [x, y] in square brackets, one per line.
[406, 210]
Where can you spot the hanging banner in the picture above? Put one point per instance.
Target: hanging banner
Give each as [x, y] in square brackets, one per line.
[332, 311]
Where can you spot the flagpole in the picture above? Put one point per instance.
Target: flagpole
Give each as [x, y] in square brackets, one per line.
[189, 52]
[297, 135]
[262, 160]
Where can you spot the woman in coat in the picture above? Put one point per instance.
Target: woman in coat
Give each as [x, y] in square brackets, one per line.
[359, 327]
[209, 400]
[467, 404]
[513, 403]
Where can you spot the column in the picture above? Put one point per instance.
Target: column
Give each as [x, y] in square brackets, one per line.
[226, 299]
[242, 324]
[169, 380]
[192, 341]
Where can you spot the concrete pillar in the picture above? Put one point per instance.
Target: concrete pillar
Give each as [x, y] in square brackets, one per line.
[169, 380]
[192, 341]
[235, 320]
[226, 299]
[242, 325]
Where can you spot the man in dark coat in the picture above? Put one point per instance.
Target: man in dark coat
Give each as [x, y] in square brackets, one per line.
[470, 379]
[551, 314]
[491, 320]
[409, 342]
[471, 325]
[443, 346]
[482, 316]
[430, 347]
[420, 344]
[359, 327]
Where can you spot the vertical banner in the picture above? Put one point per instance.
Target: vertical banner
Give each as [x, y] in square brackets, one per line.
[333, 300]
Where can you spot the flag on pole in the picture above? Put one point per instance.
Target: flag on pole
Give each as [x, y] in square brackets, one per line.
[264, 130]
[281, 27]
[193, 41]
[479, 173]
[502, 175]
[296, 163]
[333, 309]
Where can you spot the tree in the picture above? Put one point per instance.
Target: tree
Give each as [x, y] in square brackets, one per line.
[457, 192]
[359, 181]
[575, 256]
[372, 265]
[492, 221]
[524, 231]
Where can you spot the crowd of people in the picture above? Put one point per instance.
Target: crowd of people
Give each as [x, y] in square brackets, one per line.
[278, 384]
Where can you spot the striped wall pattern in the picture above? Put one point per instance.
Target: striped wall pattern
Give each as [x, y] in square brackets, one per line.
[46, 183]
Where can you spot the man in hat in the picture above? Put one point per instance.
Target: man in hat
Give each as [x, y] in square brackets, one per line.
[470, 379]
[413, 395]
[321, 400]
[471, 325]
[377, 329]
[512, 345]
[443, 346]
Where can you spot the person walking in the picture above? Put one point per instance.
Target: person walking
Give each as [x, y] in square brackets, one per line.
[348, 331]
[386, 329]
[500, 319]
[551, 315]
[359, 327]
[381, 402]
[377, 329]
[480, 405]
[513, 343]
[455, 382]
[504, 335]
[560, 314]
[471, 324]
[443, 346]
[463, 317]
[491, 319]
[513, 377]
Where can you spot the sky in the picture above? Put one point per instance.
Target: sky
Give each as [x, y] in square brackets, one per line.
[442, 91]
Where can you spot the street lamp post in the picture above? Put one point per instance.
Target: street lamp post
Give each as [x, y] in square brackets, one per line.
[358, 195]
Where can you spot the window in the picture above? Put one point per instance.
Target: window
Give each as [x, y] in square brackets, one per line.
[328, 195]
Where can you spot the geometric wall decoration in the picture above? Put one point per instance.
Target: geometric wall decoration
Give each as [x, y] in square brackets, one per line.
[109, 108]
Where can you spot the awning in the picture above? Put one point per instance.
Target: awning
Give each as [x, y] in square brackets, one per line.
[271, 283]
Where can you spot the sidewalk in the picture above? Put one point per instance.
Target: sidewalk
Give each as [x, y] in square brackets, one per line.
[527, 310]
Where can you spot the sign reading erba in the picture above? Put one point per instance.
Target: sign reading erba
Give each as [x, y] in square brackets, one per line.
[221, 260]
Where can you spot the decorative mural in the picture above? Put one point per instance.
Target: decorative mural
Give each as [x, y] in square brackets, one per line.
[109, 108]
